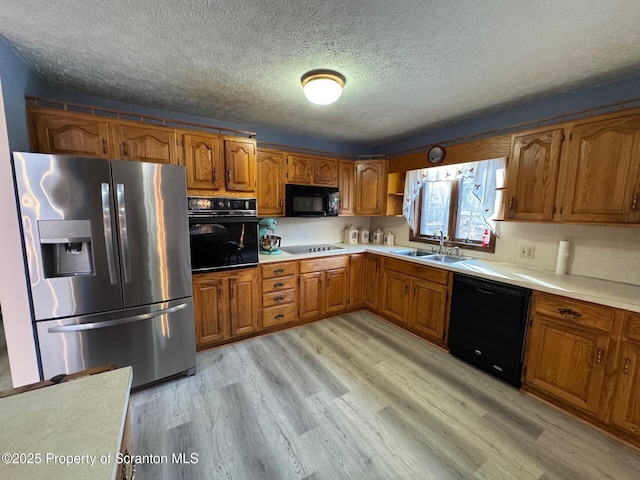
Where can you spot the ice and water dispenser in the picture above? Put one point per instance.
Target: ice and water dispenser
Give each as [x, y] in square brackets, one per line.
[66, 247]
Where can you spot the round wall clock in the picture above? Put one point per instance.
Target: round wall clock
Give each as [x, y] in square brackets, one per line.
[435, 155]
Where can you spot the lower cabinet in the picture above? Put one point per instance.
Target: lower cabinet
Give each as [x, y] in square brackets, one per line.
[226, 306]
[324, 286]
[356, 281]
[416, 297]
[371, 280]
[279, 294]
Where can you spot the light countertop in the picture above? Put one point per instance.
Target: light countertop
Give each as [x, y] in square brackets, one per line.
[83, 418]
[604, 292]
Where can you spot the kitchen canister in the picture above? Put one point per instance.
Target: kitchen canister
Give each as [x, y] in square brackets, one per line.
[389, 239]
[350, 235]
[364, 235]
[378, 237]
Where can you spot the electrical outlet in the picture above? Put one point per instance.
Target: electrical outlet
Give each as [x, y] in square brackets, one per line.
[527, 251]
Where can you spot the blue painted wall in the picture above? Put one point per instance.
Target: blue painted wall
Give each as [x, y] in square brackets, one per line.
[614, 92]
[18, 80]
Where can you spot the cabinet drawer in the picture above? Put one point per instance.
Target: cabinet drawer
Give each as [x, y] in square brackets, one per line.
[278, 298]
[632, 327]
[430, 274]
[576, 312]
[277, 284]
[274, 270]
[279, 315]
[323, 264]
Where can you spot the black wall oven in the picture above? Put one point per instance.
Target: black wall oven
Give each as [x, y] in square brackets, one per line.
[223, 233]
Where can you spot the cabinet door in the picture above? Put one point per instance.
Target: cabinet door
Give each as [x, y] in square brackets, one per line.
[428, 309]
[567, 362]
[240, 165]
[371, 293]
[326, 172]
[604, 171]
[346, 186]
[337, 290]
[626, 405]
[356, 281]
[311, 295]
[395, 295]
[370, 189]
[299, 169]
[532, 176]
[202, 156]
[210, 300]
[243, 304]
[146, 143]
[71, 135]
[271, 176]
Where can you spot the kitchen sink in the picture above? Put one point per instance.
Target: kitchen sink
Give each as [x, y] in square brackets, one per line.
[445, 258]
[412, 253]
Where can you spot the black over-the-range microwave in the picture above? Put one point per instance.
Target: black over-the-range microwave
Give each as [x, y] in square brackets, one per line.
[311, 201]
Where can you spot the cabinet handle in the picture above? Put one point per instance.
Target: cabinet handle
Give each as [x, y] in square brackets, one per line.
[229, 175]
[414, 291]
[319, 283]
[406, 289]
[599, 356]
[279, 298]
[378, 205]
[278, 271]
[569, 314]
[627, 361]
[219, 294]
[215, 174]
[231, 291]
[634, 203]
[328, 282]
[278, 285]
[279, 316]
[281, 202]
[124, 148]
[104, 146]
[511, 201]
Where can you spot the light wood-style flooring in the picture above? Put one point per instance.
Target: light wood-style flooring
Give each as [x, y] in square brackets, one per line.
[354, 397]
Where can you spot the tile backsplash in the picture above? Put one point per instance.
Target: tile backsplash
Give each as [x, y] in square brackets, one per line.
[311, 231]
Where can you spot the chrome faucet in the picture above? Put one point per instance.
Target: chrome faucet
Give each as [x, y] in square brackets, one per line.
[441, 249]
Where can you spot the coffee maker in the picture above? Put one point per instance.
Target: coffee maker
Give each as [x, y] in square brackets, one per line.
[269, 243]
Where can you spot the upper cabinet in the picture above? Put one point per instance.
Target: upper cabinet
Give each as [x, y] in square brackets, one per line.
[602, 171]
[532, 175]
[346, 186]
[240, 164]
[308, 170]
[145, 143]
[68, 133]
[370, 187]
[203, 159]
[271, 179]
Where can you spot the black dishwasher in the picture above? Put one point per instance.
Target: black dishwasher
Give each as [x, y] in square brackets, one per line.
[487, 325]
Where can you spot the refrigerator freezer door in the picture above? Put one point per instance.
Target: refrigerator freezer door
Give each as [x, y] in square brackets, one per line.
[68, 216]
[157, 341]
[153, 231]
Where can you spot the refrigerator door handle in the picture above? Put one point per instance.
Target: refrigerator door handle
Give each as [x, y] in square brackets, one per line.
[119, 321]
[124, 236]
[108, 235]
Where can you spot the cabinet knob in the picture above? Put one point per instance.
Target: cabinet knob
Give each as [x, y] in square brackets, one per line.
[229, 175]
[511, 202]
[627, 361]
[124, 149]
[231, 291]
[278, 285]
[279, 316]
[215, 174]
[279, 298]
[278, 271]
[569, 314]
[104, 146]
[634, 203]
[599, 356]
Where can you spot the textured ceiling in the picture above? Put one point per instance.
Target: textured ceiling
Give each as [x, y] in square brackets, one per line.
[410, 65]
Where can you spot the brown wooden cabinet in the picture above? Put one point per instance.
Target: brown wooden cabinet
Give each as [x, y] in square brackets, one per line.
[279, 294]
[428, 309]
[203, 158]
[309, 170]
[532, 175]
[67, 133]
[145, 143]
[346, 186]
[326, 172]
[394, 294]
[299, 169]
[240, 164]
[625, 411]
[324, 286]
[226, 305]
[356, 281]
[271, 181]
[569, 349]
[602, 171]
[370, 189]
[371, 281]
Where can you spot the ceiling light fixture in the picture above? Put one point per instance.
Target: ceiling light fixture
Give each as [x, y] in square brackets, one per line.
[322, 87]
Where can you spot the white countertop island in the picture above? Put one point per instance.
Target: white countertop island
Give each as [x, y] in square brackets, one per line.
[72, 430]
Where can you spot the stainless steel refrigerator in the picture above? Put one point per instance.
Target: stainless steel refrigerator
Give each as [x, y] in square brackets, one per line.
[107, 251]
